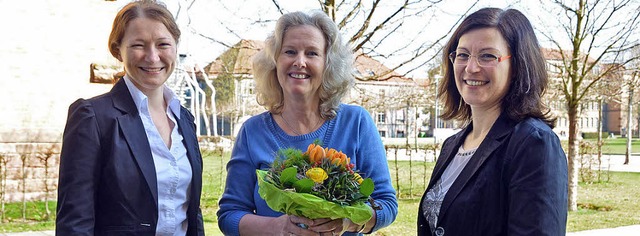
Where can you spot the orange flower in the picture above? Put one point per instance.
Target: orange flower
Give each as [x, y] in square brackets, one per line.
[315, 152]
[339, 159]
[330, 153]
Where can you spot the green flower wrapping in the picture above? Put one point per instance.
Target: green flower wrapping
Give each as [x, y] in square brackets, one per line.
[308, 205]
[319, 183]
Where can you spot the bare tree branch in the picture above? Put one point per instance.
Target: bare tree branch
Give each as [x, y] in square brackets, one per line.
[600, 33]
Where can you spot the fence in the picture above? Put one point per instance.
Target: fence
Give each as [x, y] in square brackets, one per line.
[28, 172]
[410, 167]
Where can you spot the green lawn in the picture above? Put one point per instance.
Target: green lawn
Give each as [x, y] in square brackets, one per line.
[602, 205]
[619, 146]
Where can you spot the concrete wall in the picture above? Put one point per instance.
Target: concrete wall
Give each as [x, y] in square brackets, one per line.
[45, 52]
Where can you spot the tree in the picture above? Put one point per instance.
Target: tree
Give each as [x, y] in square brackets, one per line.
[406, 35]
[633, 81]
[608, 91]
[597, 32]
[403, 34]
[375, 28]
[225, 87]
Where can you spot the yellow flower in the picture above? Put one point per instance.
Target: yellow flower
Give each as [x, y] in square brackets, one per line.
[316, 174]
[358, 178]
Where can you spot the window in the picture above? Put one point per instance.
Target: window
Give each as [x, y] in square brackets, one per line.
[381, 118]
[400, 116]
[382, 133]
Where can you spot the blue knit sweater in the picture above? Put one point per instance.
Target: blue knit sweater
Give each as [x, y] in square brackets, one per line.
[352, 131]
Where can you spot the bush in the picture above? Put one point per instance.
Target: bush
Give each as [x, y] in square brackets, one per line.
[594, 135]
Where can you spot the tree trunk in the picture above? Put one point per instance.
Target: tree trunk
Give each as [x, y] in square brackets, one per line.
[214, 112]
[629, 124]
[572, 157]
[600, 142]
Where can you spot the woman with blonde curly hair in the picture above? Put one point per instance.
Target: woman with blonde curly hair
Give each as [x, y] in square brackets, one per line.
[301, 76]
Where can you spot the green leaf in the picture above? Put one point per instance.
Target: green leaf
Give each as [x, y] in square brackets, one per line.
[288, 176]
[317, 142]
[304, 185]
[309, 205]
[366, 187]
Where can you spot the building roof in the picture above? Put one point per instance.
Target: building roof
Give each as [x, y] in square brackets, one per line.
[238, 59]
[369, 69]
[556, 55]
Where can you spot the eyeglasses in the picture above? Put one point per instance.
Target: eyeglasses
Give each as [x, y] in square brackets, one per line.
[483, 59]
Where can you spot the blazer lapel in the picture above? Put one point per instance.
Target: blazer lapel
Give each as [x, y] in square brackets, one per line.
[133, 130]
[502, 127]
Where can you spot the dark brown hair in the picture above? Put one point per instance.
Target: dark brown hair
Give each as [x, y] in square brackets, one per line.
[528, 67]
[137, 9]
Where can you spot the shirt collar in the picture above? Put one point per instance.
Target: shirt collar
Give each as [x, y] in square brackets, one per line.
[140, 98]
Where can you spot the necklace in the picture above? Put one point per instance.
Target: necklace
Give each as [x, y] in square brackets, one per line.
[294, 130]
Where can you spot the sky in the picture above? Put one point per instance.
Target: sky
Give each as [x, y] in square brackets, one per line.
[226, 22]
[216, 18]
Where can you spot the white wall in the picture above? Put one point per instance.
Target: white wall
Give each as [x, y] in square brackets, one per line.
[45, 51]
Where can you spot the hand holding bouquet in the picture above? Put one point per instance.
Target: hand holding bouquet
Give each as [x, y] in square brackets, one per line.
[319, 183]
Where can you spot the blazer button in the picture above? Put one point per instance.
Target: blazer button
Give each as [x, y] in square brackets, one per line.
[439, 231]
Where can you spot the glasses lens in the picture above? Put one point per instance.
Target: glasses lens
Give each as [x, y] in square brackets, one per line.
[452, 57]
[483, 59]
[487, 60]
[459, 58]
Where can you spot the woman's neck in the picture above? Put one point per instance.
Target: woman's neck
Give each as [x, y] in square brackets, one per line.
[156, 99]
[301, 118]
[482, 122]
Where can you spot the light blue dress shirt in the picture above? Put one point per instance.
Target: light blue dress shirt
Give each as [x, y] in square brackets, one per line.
[173, 169]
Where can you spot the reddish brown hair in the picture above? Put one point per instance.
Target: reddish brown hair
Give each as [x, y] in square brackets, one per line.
[145, 8]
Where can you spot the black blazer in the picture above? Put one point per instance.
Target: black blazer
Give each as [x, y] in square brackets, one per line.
[107, 183]
[515, 183]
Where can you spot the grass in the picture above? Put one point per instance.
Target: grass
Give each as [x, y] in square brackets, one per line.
[601, 205]
[619, 146]
[606, 205]
[34, 220]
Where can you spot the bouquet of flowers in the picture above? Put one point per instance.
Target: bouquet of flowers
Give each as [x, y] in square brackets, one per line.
[319, 183]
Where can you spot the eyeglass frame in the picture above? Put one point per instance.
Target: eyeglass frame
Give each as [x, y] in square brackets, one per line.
[453, 55]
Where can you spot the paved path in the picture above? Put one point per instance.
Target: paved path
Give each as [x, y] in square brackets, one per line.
[612, 162]
[630, 230]
[615, 163]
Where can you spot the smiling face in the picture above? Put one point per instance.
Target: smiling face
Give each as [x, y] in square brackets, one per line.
[300, 62]
[483, 87]
[148, 52]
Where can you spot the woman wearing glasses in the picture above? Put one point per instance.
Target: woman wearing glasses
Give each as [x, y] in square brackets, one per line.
[505, 173]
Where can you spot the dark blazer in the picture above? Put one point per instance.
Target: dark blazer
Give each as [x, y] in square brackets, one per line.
[515, 183]
[107, 183]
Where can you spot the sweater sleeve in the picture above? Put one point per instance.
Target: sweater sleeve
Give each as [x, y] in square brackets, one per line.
[237, 199]
[371, 160]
